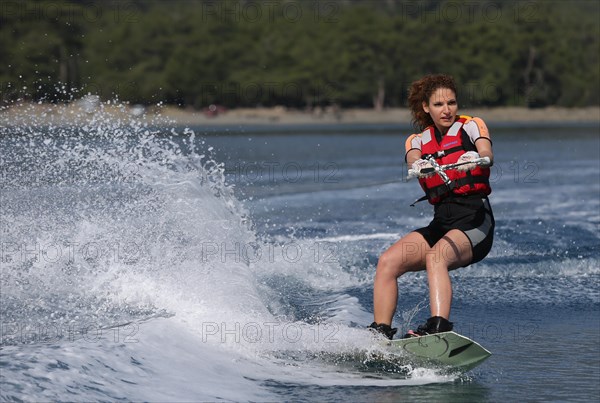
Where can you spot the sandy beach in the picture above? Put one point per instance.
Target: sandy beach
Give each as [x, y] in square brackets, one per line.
[80, 112]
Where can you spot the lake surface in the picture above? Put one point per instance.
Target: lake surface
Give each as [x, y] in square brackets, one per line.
[185, 264]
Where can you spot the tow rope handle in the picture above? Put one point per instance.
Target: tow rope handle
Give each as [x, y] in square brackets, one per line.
[441, 171]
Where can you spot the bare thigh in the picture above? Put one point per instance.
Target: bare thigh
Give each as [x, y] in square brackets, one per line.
[454, 250]
[408, 254]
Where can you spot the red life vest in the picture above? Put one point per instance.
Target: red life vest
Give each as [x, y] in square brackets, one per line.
[453, 144]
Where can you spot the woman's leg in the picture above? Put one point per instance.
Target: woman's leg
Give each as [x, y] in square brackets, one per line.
[408, 254]
[450, 252]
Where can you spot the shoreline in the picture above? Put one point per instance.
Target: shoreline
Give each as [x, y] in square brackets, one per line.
[78, 112]
[390, 116]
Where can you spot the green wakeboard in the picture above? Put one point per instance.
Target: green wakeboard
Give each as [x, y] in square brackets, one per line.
[441, 349]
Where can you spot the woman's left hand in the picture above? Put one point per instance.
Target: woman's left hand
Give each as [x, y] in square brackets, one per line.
[467, 157]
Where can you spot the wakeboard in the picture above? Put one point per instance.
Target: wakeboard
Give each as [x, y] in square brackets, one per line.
[448, 349]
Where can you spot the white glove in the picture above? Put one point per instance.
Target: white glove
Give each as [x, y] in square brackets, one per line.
[418, 165]
[466, 157]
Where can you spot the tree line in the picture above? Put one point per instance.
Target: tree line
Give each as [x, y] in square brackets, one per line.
[300, 53]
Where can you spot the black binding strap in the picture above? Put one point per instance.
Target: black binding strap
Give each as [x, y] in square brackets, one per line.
[423, 198]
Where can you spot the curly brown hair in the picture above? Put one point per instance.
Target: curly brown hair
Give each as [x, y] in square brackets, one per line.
[420, 91]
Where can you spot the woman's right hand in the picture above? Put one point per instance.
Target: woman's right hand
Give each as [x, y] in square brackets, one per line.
[419, 165]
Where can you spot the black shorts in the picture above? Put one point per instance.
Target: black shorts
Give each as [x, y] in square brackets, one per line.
[469, 214]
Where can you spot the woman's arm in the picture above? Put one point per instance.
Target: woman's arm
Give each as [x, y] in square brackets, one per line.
[412, 156]
[484, 148]
[480, 136]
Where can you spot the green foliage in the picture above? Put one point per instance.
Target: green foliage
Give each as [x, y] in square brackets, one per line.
[301, 53]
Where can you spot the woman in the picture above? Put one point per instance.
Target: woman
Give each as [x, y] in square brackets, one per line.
[462, 229]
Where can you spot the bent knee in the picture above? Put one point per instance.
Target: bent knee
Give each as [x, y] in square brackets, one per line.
[390, 266]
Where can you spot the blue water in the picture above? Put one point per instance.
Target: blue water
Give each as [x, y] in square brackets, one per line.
[151, 262]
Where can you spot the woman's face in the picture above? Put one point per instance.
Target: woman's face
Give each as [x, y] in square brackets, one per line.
[442, 108]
